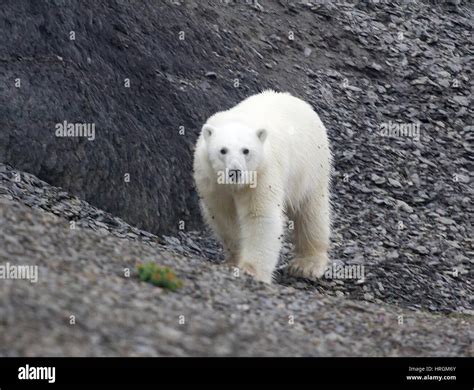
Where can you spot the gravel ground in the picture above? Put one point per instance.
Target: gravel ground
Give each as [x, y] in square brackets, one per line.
[402, 203]
[82, 274]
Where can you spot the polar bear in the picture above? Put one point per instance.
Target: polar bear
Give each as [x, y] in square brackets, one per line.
[266, 158]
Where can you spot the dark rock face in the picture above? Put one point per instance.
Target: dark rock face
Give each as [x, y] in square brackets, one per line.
[402, 65]
[138, 130]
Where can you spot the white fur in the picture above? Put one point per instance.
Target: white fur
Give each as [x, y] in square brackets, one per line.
[289, 151]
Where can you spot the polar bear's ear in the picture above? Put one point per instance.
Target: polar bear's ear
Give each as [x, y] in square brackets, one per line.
[207, 130]
[262, 134]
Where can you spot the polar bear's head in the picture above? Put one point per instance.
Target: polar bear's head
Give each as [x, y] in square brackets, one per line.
[235, 152]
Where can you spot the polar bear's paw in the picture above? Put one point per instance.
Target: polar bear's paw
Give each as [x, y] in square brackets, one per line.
[250, 269]
[311, 267]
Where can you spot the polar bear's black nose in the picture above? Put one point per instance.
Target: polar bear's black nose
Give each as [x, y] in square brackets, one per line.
[235, 172]
[234, 175]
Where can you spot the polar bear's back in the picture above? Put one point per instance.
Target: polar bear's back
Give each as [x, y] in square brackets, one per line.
[283, 115]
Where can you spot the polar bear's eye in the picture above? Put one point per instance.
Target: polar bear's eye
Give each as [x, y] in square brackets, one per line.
[245, 151]
[223, 150]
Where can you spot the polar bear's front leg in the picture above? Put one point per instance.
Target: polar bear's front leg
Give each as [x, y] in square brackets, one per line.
[220, 214]
[261, 229]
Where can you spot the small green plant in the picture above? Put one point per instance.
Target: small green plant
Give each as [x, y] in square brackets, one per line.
[159, 276]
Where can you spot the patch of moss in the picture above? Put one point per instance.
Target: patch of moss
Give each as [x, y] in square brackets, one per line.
[159, 276]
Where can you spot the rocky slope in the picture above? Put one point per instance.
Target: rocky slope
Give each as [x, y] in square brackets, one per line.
[82, 274]
[391, 80]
